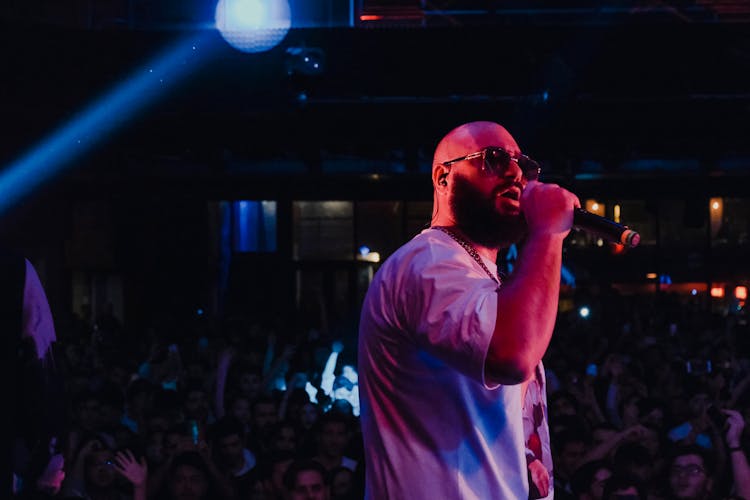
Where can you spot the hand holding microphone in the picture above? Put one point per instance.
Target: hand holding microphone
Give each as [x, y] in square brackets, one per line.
[545, 204]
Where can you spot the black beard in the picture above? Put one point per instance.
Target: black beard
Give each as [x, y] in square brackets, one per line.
[477, 216]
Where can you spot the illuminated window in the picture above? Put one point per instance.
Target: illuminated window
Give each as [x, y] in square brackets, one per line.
[254, 226]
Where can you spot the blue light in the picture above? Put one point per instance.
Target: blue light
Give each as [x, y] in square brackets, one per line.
[200, 312]
[253, 25]
[567, 277]
[364, 250]
[99, 120]
[693, 292]
[584, 312]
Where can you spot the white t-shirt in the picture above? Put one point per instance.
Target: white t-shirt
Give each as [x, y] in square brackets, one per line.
[433, 428]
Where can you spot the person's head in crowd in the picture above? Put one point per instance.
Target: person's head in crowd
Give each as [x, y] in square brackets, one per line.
[633, 460]
[119, 370]
[340, 481]
[570, 446]
[168, 403]
[189, 478]
[652, 441]
[253, 488]
[296, 399]
[308, 415]
[195, 405]
[652, 413]
[283, 437]
[623, 488]
[305, 480]
[111, 404]
[86, 411]
[563, 403]
[272, 470]
[239, 408]
[629, 410]
[157, 421]
[265, 414]
[690, 470]
[332, 437]
[197, 368]
[589, 479]
[229, 442]
[613, 366]
[342, 407]
[155, 448]
[123, 437]
[99, 470]
[139, 395]
[602, 433]
[176, 439]
[698, 404]
[249, 380]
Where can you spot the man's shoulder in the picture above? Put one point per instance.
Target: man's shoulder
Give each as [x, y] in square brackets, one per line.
[426, 247]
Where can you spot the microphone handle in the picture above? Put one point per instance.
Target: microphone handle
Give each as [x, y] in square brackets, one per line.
[604, 228]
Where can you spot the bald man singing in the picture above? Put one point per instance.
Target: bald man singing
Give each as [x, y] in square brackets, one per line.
[447, 345]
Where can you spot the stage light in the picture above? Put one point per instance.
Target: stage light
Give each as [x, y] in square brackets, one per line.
[364, 250]
[717, 292]
[101, 118]
[584, 312]
[693, 292]
[253, 25]
[740, 292]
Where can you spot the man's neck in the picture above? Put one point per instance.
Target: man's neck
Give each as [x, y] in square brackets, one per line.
[486, 252]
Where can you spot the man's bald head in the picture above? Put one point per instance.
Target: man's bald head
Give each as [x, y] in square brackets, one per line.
[471, 137]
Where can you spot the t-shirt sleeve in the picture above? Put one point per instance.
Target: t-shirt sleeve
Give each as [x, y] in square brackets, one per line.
[37, 317]
[453, 309]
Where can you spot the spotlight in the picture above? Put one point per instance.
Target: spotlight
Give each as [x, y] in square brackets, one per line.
[253, 25]
[584, 312]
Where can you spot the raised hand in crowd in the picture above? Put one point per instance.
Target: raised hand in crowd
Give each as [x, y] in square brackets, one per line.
[735, 425]
[135, 471]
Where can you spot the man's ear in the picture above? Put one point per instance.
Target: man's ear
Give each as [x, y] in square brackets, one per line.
[440, 177]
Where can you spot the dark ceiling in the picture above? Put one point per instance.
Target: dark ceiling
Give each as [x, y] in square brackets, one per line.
[593, 100]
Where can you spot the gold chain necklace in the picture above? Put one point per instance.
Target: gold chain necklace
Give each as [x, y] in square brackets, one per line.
[471, 251]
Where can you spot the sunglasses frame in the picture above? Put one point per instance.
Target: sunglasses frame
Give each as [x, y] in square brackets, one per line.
[531, 170]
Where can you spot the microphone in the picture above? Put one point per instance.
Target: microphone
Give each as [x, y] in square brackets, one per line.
[604, 228]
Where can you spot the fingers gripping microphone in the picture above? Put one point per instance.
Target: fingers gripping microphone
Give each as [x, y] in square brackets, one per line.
[604, 228]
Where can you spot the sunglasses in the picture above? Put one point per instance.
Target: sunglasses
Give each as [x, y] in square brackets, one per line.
[496, 160]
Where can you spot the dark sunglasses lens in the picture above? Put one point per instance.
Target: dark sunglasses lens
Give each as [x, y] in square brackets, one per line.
[529, 167]
[496, 160]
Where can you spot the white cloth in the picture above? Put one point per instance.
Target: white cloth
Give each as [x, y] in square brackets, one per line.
[432, 426]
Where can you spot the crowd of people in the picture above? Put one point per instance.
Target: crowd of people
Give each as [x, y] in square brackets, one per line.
[647, 395]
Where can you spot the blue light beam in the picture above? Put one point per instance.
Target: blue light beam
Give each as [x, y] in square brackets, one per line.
[48, 157]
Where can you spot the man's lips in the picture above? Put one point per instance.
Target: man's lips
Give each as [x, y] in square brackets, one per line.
[512, 193]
